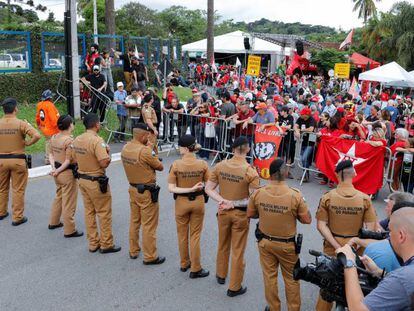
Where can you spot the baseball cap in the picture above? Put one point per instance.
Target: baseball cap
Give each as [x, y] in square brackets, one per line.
[194, 90]
[261, 105]
[306, 111]
[95, 67]
[343, 165]
[47, 94]
[240, 141]
[364, 98]
[186, 141]
[275, 166]
[119, 84]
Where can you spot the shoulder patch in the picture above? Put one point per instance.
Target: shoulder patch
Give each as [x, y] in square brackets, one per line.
[103, 145]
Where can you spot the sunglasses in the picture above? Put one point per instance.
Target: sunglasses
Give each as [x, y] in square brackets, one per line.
[96, 70]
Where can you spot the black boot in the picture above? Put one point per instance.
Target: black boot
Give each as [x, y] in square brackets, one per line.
[75, 234]
[113, 249]
[199, 274]
[232, 293]
[19, 222]
[158, 261]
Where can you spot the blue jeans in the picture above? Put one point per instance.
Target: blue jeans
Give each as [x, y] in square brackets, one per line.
[306, 156]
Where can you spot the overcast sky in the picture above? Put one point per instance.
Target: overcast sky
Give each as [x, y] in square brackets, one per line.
[334, 13]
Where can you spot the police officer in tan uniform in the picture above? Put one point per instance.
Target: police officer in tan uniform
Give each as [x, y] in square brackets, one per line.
[64, 171]
[92, 155]
[235, 178]
[140, 164]
[13, 167]
[186, 180]
[278, 207]
[150, 118]
[341, 214]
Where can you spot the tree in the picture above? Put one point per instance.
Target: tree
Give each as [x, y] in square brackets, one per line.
[366, 9]
[51, 17]
[327, 58]
[85, 9]
[210, 31]
[138, 20]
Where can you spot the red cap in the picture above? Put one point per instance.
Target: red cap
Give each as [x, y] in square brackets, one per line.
[340, 109]
[277, 98]
[261, 105]
[306, 111]
[194, 90]
[364, 98]
[233, 99]
[394, 96]
[315, 99]
[384, 97]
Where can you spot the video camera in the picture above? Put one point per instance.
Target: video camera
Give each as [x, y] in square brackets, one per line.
[373, 235]
[328, 274]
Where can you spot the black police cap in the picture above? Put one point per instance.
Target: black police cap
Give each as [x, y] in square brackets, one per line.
[240, 141]
[343, 165]
[142, 126]
[186, 141]
[275, 166]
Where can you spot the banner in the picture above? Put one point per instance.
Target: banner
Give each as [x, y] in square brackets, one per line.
[266, 146]
[253, 65]
[368, 161]
[342, 70]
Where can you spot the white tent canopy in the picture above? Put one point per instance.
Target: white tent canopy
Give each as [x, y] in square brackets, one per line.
[233, 43]
[391, 74]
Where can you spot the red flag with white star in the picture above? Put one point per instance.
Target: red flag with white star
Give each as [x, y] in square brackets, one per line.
[368, 161]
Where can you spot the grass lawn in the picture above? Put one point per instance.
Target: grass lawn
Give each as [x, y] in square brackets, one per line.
[28, 112]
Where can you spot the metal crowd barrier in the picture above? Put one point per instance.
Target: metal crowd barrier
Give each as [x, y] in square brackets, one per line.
[400, 175]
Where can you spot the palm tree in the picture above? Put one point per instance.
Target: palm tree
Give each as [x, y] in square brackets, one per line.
[366, 9]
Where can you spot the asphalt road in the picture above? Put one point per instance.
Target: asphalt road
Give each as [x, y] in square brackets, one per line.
[41, 270]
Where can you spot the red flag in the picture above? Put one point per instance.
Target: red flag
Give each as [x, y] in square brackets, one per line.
[348, 40]
[295, 63]
[266, 146]
[368, 161]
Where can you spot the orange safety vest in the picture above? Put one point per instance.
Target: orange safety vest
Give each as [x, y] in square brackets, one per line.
[46, 118]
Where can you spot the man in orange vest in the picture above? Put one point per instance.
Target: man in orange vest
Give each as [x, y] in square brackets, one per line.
[46, 119]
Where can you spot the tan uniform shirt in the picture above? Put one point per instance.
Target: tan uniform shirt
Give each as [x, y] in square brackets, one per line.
[13, 133]
[88, 150]
[134, 112]
[345, 209]
[60, 146]
[188, 171]
[139, 163]
[148, 113]
[278, 207]
[235, 177]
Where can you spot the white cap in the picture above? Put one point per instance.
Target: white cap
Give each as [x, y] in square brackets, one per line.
[119, 84]
[96, 67]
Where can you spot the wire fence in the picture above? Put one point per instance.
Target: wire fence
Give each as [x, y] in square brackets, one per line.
[15, 51]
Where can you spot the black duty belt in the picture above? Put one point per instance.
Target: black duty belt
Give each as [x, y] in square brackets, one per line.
[274, 239]
[191, 194]
[70, 166]
[143, 185]
[13, 156]
[91, 178]
[241, 208]
[344, 236]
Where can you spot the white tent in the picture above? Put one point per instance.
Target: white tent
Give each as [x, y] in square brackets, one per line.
[390, 74]
[233, 43]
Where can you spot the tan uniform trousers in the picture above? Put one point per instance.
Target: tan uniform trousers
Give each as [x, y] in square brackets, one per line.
[189, 216]
[128, 80]
[233, 228]
[321, 304]
[47, 149]
[65, 202]
[97, 204]
[143, 212]
[271, 255]
[16, 171]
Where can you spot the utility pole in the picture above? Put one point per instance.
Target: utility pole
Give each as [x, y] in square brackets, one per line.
[95, 22]
[210, 31]
[71, 59]
[110, 21]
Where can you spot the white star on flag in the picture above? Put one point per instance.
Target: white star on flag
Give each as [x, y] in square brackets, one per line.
[350, 155]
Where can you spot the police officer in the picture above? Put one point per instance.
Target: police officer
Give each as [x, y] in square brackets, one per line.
[92, 155]
[140, 164]
[64, 171]
[13, 168]
[278, 207]
[235, 178]
[186, 180]
[149, 117]
[341, 214]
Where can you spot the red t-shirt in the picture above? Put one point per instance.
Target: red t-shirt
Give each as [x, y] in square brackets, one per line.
[248, 131]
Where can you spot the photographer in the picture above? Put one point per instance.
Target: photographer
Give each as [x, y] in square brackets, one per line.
[396, 290]
[341, 214]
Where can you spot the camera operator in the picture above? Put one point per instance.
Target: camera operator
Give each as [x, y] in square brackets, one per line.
[278, 207]
[396, 290]
[341, 214]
